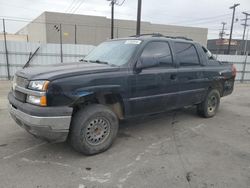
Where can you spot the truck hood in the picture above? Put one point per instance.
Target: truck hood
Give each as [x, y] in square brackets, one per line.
[63, 70]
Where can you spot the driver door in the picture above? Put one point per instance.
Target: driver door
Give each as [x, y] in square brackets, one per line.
[152, 87]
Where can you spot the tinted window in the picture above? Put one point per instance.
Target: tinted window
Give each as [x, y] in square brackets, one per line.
[186, 54]
[159, 50]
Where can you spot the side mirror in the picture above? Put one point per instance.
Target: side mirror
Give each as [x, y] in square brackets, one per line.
[210, 55]
[146, 62]
[213, 57]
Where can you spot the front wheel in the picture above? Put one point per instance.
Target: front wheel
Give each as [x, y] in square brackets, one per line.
[210, 105]
[93, 129]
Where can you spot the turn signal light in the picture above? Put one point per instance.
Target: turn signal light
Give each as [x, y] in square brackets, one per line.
[43, 101]
[234, 70]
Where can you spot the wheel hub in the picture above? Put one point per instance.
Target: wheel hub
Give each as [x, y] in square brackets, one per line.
[212, 104]
[97, 131]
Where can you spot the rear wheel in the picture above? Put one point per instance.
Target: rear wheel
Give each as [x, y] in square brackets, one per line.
[93, 129]
[210, 105]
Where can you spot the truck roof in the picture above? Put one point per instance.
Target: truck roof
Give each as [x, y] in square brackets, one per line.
[153, 36]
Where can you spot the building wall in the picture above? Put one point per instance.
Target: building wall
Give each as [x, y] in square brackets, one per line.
[218, 46]
[36, 30]
[89, 29]
[96, 29]
[13, 37]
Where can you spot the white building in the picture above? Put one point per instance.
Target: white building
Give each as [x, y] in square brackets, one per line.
[83, 29]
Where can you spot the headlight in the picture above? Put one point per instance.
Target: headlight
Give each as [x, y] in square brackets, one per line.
[39, 85]
[41, 101]
[14, 82]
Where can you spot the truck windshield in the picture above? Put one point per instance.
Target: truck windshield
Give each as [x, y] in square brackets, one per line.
[113, 52]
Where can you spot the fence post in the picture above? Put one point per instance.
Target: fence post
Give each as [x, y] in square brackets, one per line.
[75, 34]
[6, 50]
[244, 68]
[245, 62]
[61, 50]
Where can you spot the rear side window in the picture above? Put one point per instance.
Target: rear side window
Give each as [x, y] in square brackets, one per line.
[159, 50]
[186, 54]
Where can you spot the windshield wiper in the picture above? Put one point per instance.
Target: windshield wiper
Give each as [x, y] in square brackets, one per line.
[83, 60]
[101, 62]
[98, 61]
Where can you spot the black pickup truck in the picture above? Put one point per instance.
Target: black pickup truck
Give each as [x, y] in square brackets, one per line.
[119, 79]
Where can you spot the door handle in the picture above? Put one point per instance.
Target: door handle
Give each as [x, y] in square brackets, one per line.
[173, 76]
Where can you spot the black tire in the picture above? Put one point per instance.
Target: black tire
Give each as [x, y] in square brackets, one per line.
[93, 129]
[209, 107]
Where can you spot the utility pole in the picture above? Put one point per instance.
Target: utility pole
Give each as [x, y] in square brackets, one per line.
[245, 24]
[246, 55]
[6, 50]
[232, 25]
[113, 3]
[138, 25]
[245, 48]
[112, 18]
[61, 49]
[222, 33]
[221, 36]
[75, 34]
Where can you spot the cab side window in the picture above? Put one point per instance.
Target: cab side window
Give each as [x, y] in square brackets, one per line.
[159, 51]
[186, 54]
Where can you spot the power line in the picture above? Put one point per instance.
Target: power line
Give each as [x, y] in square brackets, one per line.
[74, 2]
[202, 19]
[79, 5]
[120, 4]
[63, 23]
[77, 2]
[52, 23]
[70, 6]
[27, 20]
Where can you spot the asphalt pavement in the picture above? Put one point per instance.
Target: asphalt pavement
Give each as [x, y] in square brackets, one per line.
[173, 150]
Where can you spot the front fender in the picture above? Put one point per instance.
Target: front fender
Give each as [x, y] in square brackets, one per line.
[80, 95]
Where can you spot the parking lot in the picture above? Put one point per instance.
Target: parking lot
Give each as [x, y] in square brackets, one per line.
[176, 149]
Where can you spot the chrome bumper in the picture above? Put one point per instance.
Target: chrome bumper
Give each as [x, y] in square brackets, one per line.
[55, 128]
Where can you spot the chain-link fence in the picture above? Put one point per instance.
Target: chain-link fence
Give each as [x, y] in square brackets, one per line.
[21, 48]
[20, 54]
[242, 63]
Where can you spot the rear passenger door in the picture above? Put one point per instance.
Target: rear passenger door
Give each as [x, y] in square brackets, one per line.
[190, 74]
[154, 88]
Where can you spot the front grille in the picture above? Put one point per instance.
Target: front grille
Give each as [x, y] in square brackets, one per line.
[21, 82]
[19, 96]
